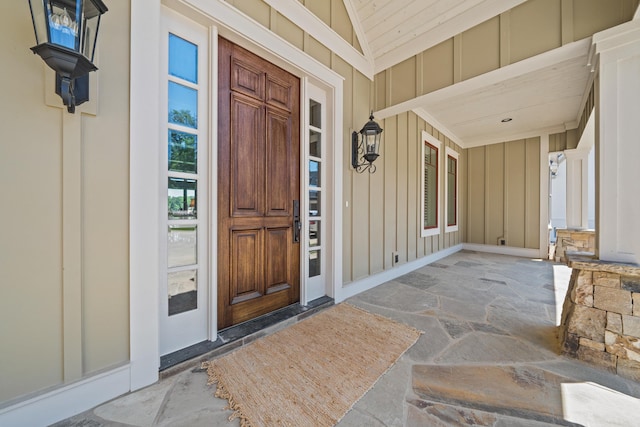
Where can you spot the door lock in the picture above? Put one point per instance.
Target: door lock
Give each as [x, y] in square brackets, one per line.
[297, 225]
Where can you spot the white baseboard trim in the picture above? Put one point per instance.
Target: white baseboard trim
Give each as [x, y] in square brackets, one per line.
[502, 250]
[66, 401]
[370, 282]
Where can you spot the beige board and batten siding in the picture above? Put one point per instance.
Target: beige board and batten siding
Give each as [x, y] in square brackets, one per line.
[529, 29]
[503, 194]
[381, 211]
[64, 265]
[386, 217]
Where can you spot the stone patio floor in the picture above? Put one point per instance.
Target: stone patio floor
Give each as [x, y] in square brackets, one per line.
[489, 356]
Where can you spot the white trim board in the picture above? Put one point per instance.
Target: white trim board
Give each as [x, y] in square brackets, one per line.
[144, 193]
[314, 26]
[354, 288]
[357, 28]
[64, 402]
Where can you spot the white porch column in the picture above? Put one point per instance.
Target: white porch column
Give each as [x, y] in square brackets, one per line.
[618, 143]
[577, 179]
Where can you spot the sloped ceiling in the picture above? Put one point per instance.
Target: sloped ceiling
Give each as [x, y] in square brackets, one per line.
[538, 96]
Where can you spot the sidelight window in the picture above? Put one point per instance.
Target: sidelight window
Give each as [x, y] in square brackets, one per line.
[315, 187]
[183, 233]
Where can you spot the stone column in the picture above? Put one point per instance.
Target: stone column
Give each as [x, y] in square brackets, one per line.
[617, 87]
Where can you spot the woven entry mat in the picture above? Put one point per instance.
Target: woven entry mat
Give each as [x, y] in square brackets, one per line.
[313, 372]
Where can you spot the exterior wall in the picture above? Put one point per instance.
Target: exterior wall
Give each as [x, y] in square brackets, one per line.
[533, 27]
[503, 194]
[383, 217]
[64, 253]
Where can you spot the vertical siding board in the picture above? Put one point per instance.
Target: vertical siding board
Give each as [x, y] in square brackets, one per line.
[413, 203]
[494, 185]
[376, 217]
[403, 81]
[535, 27]
[515, 167]
[345, 70]
[437, 67]
[33, 237]
[380, 90]
[480, 48]
[532, 202]
[340, 21]
[420, 243]
[476, 192]
[390, 193]
[360, 225]
[293, 34]
[401, 188]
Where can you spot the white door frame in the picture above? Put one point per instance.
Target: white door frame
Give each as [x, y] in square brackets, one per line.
[145, 132]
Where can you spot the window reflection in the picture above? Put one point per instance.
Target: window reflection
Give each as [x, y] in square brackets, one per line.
[183, 105]
[314, 263]
[181, 198]
[183, 241]
[314, 233]
[183, 291]
[315, 114]
[314, 173]
[183, 152]
[314, 144]
[314, 203]
[183, 59]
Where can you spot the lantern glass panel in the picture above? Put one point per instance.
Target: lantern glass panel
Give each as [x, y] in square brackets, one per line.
[90, 32]
[39, 21]
[63, 18]
[370, 143]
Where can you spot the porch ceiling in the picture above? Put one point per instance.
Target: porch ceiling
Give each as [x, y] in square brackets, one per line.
[538, 95]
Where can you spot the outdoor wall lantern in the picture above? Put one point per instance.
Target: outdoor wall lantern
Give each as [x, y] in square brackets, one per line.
[367, 148]
[66, 35]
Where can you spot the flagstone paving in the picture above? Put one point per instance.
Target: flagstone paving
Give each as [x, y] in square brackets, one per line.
[489, 356]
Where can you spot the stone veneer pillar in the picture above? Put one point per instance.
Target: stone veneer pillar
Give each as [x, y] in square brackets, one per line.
[601, 315]
[617, 91]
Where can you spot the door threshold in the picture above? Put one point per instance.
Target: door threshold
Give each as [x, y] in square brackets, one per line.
[239, 335]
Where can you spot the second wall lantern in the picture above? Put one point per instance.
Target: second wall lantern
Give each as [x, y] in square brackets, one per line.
[66, 35]
[367, 147]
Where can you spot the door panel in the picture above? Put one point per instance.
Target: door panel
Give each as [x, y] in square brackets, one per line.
[247, 142]
[278, 197]
[258, 179]
[279, 93]
[246, 78]
[246, 272]
[277, 261]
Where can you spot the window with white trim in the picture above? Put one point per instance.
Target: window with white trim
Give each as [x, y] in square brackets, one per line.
[430, 205]
[451, 205]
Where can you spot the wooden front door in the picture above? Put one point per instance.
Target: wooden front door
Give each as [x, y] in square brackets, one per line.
[258, 184]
